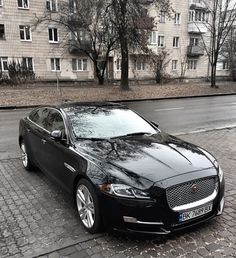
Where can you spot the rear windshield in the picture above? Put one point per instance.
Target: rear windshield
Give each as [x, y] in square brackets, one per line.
[105, 122]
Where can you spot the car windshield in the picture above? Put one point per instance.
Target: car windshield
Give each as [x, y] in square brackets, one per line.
[106, 122]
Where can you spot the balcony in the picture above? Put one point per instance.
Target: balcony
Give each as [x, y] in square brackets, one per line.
[76, 47]
[198, 4]
[195, 51]
[197, 27]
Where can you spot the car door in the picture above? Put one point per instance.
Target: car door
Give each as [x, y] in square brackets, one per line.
[36, 134]
[59, 161]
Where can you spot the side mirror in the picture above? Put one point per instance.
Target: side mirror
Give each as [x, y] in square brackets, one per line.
[155, 124]
[57, 134]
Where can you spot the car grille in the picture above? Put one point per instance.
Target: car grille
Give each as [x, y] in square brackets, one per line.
[183, 194]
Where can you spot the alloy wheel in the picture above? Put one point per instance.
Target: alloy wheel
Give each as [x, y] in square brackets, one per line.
[24, 156]
[85, 205]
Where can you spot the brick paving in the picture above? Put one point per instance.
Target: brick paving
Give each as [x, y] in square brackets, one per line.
[37, 219]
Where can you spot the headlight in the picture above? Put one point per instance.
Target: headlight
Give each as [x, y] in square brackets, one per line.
[124, 191]
[221, 174]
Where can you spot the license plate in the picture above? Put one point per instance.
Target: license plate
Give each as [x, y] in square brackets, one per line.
[195, 213]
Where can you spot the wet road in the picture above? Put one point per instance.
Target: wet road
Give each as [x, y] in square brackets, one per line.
[175, 116]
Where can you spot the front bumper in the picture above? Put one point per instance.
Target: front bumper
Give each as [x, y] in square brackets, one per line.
[151, 216]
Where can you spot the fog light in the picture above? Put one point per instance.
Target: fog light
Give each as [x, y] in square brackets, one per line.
[222, 203]
[130, 219]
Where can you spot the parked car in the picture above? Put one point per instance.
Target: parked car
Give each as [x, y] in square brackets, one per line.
[122, 171]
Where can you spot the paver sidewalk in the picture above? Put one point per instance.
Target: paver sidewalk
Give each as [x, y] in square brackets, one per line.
[38, 219]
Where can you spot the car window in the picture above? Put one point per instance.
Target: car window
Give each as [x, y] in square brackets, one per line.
[39, 117]
[56, 122]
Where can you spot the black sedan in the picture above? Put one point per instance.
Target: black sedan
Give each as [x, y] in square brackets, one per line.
[122, 171]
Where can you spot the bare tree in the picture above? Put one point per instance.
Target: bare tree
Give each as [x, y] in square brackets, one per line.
[158, 62]
[218, 20]
[91, 32]
[228, 53]
[131, 21]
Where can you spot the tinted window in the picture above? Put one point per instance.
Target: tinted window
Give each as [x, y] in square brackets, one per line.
[55, 121]
[103, 122]
[34, 116]
[39, 116]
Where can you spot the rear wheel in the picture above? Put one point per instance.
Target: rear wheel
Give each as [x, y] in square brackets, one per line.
[88, 206]
[26, 160]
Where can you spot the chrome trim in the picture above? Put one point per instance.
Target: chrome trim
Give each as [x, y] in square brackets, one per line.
[38, 125]
[221, 208]
[196, 204]
[134, 220]
[69, 167]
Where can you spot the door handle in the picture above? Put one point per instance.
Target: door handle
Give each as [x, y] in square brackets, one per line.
[43, 141]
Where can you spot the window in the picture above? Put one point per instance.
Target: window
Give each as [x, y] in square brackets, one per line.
[55, 122]
[175, 41]
[2, 31]
[53, 35]
[162, 17]
[225, 65]
[25, 33]
[192, 65]
[51, 5]
[198, 15]
[55, 64]
[194, 41]
[177, 18]
[74, 35]
[174, 64]
[139, 65]
[79, 64]
[23, 4]
[3, 63]
[161, 41]
[118, 64]
[28, 63]
[153, 38]
[39, 117]
[72, 6]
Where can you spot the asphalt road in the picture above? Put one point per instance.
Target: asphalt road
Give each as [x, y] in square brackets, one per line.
[175, 116]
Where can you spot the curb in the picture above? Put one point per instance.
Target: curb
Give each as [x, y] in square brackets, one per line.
[131, 100]
[177, 97]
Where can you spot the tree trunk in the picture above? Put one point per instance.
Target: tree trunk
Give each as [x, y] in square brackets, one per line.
[99, 75]
[213, 75]
[124, 83]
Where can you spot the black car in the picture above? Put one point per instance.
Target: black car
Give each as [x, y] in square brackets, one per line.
[121, 169]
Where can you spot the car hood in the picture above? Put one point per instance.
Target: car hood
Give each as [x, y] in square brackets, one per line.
[154, 158]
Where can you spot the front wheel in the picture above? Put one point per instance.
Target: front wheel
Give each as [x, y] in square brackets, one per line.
[26, 160]
[88, 206]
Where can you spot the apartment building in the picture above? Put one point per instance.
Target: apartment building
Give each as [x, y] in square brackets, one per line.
[45, 48]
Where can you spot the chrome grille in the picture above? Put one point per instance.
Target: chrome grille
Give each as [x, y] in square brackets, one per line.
[182, 194]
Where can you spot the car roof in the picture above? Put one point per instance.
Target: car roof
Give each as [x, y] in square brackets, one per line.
[88, 104]
[83, 104]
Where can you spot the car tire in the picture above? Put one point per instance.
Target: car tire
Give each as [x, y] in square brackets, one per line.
[88, 206]
[25, 157]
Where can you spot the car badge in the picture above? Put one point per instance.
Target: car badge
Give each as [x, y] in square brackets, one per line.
[194, 188]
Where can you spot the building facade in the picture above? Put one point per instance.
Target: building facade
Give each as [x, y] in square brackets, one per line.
[42, 47]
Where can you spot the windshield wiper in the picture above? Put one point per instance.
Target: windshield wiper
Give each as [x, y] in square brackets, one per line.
[93, 139]
[133, 134]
